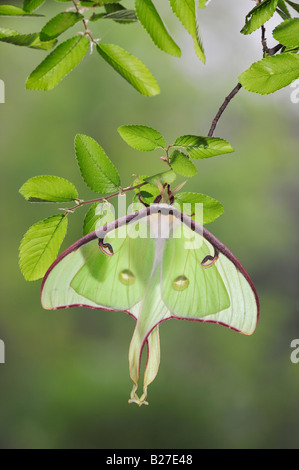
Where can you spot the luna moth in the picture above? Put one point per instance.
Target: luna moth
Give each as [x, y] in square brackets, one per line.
[154, 264]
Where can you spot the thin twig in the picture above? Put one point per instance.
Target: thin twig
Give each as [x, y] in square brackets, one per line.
[223, 108]
[264, 41]
[266, 49]
[91, 201]
[268, 52]
[87, 32]
[275, 49]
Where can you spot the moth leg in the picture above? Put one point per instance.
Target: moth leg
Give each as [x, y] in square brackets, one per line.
[209, 260]
[105, 248]
[162, 196]
[170, 195]
[142, 202]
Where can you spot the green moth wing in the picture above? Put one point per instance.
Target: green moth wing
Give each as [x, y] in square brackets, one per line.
[204, 281]
[154, 264]
[85, 274]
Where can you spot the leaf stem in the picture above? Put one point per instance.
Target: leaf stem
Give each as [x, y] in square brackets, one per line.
[167, 154]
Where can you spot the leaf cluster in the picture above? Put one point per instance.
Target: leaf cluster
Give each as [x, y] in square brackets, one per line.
[42, 241]
[273, 72]
[68, 54]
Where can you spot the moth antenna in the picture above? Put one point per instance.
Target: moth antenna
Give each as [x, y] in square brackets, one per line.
[160, 186]
[172, 192]
[163, 193]
[178, 188]
[162, 196]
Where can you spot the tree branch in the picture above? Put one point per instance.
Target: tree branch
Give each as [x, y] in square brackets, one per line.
[266, 51]
[83, 203]
[275, 49]
[84, 21]
[264, 40]
[223, 108]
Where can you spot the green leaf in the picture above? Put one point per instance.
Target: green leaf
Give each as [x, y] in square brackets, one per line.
[40, 246]
[91, 3]
[203, 147]
[130, 68]
[88, 3]
[287, 33]
[145, 197]
[212, 209]
[10, 10]
[259, 15]
[122, 16]
[271, 73]
[29, 40]
[165, 177]
[293, 5]
[48, 188]
[119, 14]
[199, 49]
[113, 7]
[58, 64]
[294, 50]
[282, 10]
[98, 215]
[96, 168]
[31, 5]
[186, 13]
[202, 3]
[151, 190]
[97, 16]
[282, 14]
[44, 45]
[182, 164]
[142, 138]
[59, 24]
[153, 24]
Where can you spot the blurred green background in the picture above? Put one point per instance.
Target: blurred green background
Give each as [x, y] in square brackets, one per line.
[65, 382]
